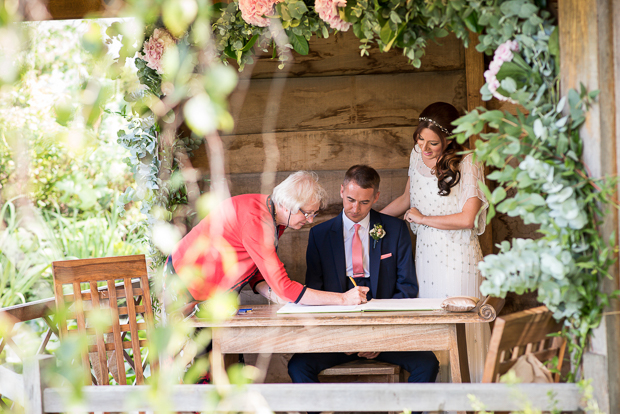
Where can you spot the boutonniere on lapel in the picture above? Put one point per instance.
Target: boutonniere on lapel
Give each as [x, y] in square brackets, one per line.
[377, 232]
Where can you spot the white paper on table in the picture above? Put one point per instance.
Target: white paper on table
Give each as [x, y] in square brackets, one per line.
[396, 305]
[374, 305]
[297, 308]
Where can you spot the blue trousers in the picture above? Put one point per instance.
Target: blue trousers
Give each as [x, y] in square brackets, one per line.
[422, 365]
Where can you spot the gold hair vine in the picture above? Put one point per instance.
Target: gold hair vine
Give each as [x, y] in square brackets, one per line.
[444, 130]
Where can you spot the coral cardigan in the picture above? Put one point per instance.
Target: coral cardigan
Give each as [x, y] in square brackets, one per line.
[235, 244]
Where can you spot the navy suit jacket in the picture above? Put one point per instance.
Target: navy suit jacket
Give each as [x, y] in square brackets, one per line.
[390, 277]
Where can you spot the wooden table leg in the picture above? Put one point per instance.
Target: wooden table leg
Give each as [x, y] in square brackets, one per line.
[218, 366]
[455, 362]
[462, 347]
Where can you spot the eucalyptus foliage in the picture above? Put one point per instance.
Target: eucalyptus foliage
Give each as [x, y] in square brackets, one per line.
[537, 158]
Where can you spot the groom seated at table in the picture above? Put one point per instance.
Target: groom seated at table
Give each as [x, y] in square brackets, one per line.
[352, 248]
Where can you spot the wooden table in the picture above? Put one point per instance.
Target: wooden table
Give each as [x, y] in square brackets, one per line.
[264, 331]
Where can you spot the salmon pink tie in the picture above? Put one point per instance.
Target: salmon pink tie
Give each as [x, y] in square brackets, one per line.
[357, 254]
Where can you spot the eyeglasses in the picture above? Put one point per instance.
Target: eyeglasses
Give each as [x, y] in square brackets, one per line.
[308, 215]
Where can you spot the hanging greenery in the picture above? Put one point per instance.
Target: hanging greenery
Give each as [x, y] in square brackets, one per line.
[536, 153]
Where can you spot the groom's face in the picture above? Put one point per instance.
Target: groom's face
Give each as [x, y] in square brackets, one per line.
[357, 201]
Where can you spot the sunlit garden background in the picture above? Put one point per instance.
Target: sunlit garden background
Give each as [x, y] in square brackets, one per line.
[62, 170]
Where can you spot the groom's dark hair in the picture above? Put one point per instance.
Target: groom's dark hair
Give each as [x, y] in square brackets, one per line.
[364, 176]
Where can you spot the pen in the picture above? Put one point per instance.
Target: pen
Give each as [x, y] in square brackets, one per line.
[353, 281]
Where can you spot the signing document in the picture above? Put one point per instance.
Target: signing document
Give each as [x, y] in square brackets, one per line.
[374, 305]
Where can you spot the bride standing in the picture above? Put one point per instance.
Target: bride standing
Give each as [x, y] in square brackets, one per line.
[447, 212]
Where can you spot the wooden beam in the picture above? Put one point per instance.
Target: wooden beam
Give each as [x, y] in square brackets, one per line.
[30, 310]
[474, 73]
[321, 150]
[344, 102]
[589, 44]
[339, 55]
[34, 382]
[12, 385]
[326, 397]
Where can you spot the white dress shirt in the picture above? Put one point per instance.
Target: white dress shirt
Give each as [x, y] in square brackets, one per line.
[348, 230]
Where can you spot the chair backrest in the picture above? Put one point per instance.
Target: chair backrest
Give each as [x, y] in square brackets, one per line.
[522, 333]
[128, 305]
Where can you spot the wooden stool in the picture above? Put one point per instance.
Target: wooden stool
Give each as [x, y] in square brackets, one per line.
[362, 371]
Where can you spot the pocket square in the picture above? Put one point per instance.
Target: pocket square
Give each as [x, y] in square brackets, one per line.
[385, 256]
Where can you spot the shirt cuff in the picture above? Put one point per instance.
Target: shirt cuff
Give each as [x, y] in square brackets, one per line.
[255, 282]
[301, 294]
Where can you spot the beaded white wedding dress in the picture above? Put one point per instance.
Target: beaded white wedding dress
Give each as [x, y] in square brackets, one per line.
[446, 260]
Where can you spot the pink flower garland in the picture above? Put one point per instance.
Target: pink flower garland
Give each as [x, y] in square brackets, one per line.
[154, 48]
[502, 54]
[328, 12]
[252, 11]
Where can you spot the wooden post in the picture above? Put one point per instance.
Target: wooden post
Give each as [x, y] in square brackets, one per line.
[474, 73]
[589, 41]
[33, 382]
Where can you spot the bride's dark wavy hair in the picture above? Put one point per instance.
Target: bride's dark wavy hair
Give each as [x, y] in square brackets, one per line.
[438, 118]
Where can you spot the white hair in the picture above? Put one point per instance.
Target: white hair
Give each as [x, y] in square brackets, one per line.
[299, 189]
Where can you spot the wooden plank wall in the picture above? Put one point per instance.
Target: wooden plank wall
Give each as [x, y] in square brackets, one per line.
[337, 109]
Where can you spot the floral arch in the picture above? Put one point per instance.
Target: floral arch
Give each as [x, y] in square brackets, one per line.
[535, 154]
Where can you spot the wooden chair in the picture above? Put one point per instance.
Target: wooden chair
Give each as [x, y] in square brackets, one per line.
[123, 301]
[523, 333]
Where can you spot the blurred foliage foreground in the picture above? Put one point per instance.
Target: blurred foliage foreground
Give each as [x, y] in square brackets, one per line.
[63, 97]
[60, 175]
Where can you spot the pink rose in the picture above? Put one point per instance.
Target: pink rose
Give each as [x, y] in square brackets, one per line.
[252, 11]
[328, 12]
[495, 66]
[504, 51]
[154, 48]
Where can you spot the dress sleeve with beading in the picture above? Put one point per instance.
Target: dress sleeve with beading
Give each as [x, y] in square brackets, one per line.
[471, 174]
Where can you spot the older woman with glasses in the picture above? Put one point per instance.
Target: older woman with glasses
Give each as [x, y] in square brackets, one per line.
[237, 244]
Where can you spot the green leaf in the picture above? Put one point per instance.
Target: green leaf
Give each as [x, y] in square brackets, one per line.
[511, 8]
[537, 200]
[178, 15]
[250, 43]
[200, 115]
[498, 195]
[512, 70]
[386, 33]
[513, 148]
[554, 42]
[507, 205]
[494, 117]
[527, 10]
[297, 9]
[300, 44]
[395, 17]
[471, 22]
[573, 98]
[485, 189]
[490, 213]
[509, 85]
[286, 15]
